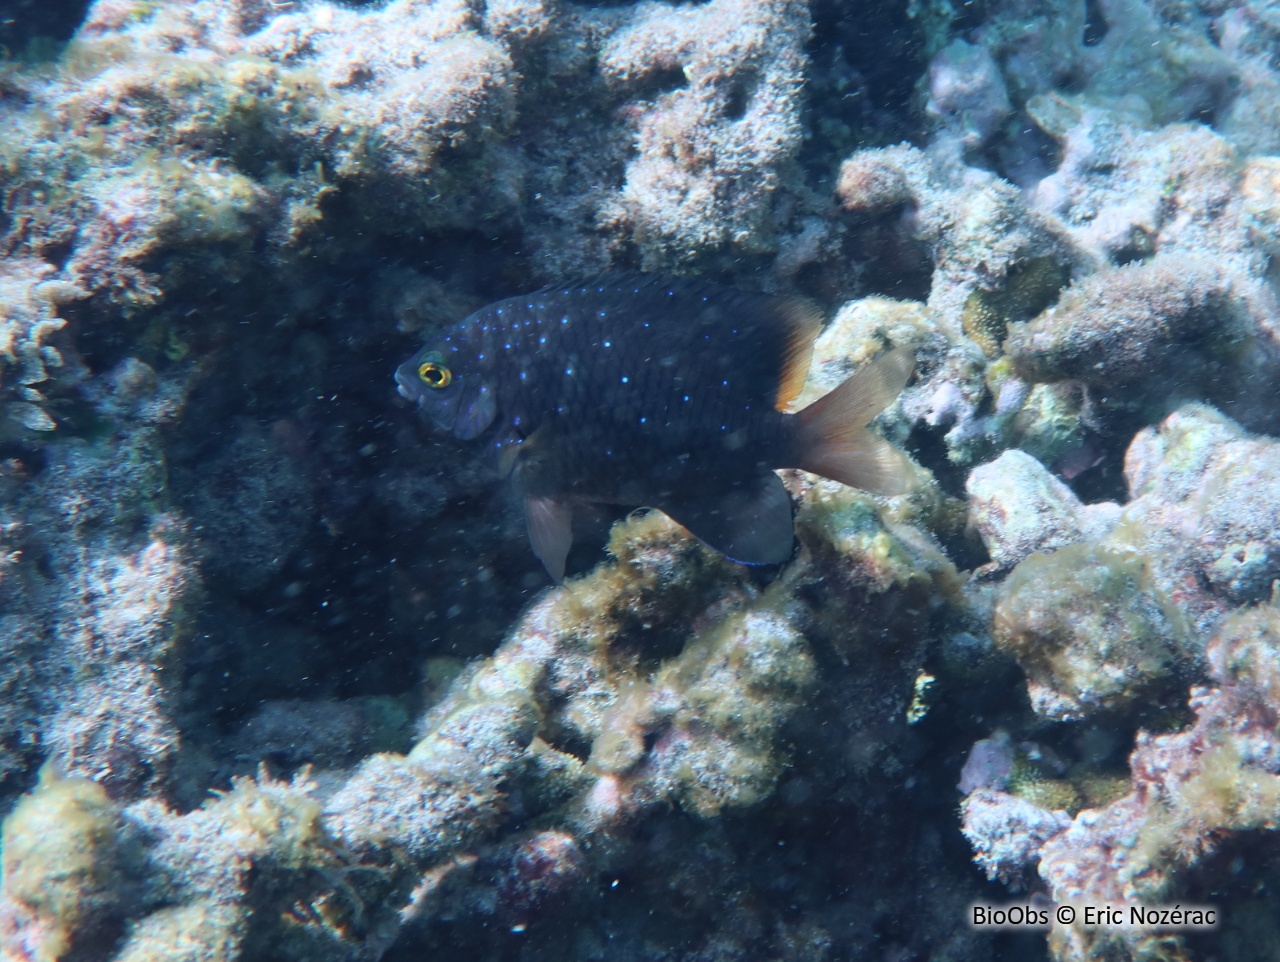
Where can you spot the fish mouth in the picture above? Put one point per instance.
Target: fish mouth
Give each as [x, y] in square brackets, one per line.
[404, 387]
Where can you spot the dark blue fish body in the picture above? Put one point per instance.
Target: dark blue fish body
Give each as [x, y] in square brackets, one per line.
[650, 390]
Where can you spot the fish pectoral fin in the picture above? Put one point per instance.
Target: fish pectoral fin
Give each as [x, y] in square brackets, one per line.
[550, 525]
[749, 523]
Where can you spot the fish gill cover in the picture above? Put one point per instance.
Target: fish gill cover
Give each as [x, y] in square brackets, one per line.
[298, 688]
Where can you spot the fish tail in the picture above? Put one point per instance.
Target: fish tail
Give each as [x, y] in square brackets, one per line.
[833, 438]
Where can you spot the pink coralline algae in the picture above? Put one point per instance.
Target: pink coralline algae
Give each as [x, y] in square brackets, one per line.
[542, 871]
[1192, 792]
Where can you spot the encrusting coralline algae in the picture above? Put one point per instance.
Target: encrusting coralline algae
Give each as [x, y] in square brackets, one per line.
[279, 678]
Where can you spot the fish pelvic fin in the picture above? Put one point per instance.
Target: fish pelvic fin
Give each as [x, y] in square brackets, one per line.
[833, 438]
[550, 524]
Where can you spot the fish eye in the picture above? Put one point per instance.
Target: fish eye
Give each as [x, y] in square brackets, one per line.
[433, 373]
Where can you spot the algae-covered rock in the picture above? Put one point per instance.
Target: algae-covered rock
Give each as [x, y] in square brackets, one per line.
[1088, 630]
[1205, 511]
[1006, 833]
[730, 689]
[1130, 323]
[1192, 794]
[64, 868]
[661, 682]
[1019, 508]
[713, 150]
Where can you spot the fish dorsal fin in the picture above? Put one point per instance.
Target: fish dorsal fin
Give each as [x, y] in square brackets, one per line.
[749, 523]
[804, 321]
[550, 524]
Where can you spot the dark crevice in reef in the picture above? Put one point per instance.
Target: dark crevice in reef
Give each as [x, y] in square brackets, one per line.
[864, 62]
[659, 81]
[305, 417]
[33, 29]
[1095, 24]
[892, 262]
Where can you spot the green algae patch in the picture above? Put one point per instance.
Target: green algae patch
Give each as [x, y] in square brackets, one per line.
[879, 549]
[1029, 288]
[1050, 425]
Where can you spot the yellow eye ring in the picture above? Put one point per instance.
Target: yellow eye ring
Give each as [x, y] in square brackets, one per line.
[434, 374]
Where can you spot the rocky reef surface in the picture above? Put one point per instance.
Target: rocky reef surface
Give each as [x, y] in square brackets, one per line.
[279, 676]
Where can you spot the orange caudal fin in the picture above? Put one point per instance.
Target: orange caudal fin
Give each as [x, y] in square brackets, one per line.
[833, 438]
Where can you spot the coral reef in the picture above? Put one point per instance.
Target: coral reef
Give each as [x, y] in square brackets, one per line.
[1190, 791]
[700, 732]
[1122, 617]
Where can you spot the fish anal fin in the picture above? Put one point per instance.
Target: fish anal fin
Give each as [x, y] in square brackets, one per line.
[550, 524]
[749, 523]
[804, 321]
[833, 438]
